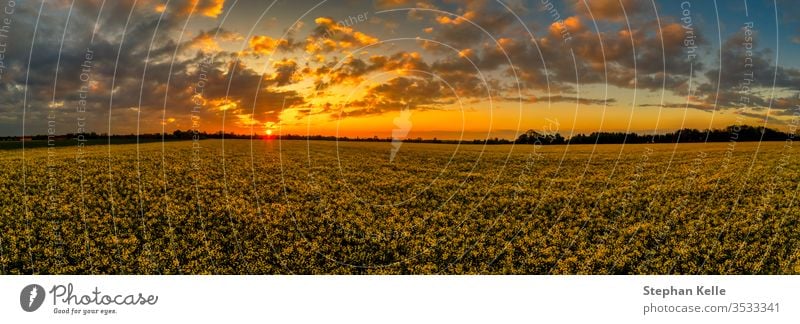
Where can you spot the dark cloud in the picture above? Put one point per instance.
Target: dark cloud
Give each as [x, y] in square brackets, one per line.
[130, 75]
[560, 98]
[475, 23]
[746, 76]
[689, 105]
[397, 93]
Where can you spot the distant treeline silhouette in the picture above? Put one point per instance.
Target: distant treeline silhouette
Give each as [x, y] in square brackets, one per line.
[739, 133]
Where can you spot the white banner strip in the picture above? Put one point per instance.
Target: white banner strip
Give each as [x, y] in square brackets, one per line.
[399, 299]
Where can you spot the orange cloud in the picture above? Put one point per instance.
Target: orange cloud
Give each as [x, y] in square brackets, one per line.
[573, 24]
[247, 120]
[445, 20]
[392, 3]
[208, 8]
[465, 52]
[266, 45]
[614, 10]
[222, 104]
[330, 35]
[207, 41]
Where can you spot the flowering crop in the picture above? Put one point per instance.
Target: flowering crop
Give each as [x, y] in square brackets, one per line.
[272, 207]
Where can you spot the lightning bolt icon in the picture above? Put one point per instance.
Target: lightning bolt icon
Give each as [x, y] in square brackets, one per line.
[34, 293]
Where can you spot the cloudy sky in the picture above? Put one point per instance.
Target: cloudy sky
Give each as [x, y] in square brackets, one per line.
[467, 69]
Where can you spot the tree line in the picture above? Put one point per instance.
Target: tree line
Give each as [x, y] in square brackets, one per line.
[739, 133]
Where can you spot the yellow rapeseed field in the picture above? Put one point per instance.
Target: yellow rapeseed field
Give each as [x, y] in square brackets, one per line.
[272, 207]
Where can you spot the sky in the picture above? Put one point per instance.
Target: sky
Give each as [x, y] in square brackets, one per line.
[462, 69]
